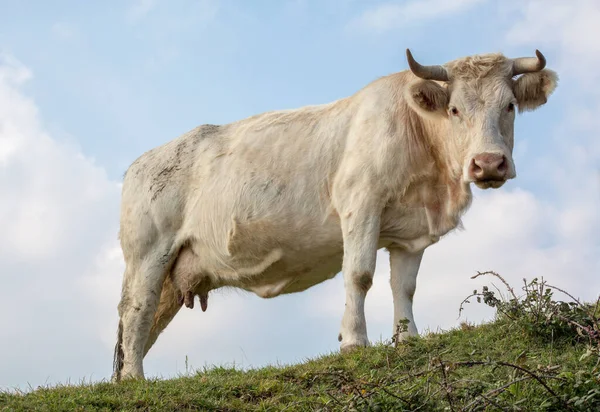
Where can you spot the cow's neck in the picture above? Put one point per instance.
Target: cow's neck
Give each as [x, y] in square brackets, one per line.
[443, 194]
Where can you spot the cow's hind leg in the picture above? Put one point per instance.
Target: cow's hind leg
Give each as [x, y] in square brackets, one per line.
[168, 306]
[142, 286]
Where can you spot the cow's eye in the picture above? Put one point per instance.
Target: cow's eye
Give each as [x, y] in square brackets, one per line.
[510, 107]
[454, 111]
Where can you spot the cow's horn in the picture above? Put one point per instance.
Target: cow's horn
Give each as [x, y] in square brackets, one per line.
[426, 72]
[529, 64]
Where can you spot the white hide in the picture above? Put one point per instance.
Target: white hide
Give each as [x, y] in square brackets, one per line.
[284, 200]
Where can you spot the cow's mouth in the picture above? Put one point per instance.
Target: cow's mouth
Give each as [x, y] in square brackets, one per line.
[489, 183]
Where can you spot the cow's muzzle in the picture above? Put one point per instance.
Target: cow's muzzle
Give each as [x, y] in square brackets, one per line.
[488, 170]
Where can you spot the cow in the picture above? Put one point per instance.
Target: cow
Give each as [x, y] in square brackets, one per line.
[281, 201]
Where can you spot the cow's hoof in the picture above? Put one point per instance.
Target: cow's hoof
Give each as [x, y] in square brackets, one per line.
[128, 376]
[351, 347]
[403, 337]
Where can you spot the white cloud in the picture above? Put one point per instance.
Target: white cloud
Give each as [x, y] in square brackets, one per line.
[392, 15]
[569, 31]
[570, 27]
[57, 210]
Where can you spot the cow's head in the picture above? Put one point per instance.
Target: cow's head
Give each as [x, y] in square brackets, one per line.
[476, 98]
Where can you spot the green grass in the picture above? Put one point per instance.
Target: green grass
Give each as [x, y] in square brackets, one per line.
[503, 365]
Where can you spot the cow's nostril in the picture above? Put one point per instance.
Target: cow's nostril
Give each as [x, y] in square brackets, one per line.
[475, 168]
[503, 166]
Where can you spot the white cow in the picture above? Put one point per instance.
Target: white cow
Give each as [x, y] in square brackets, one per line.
[284, 200]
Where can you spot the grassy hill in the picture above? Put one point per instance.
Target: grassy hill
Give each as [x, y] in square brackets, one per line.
[539, 354]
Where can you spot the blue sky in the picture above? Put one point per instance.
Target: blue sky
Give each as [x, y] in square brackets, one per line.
[86, 87]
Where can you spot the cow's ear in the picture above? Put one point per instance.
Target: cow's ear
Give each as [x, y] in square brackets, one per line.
[428, 98]
[533, 89]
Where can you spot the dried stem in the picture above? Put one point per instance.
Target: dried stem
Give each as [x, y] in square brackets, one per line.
[489, 272]
[447, 387]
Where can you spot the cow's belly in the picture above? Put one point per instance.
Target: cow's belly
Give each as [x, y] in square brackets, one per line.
[286, 252]
[292, 263]
[293, 275]
[280, 271]
[268, 257]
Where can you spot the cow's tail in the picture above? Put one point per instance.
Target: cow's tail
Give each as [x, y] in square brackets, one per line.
[118, 355]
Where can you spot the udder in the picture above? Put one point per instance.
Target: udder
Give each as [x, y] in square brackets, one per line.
[189, 281]
[191, 278]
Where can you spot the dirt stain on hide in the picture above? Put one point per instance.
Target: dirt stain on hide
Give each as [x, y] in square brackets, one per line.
[181, 158]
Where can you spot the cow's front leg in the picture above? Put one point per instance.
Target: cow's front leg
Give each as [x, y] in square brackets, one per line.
[404, 267]
[361, 234]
